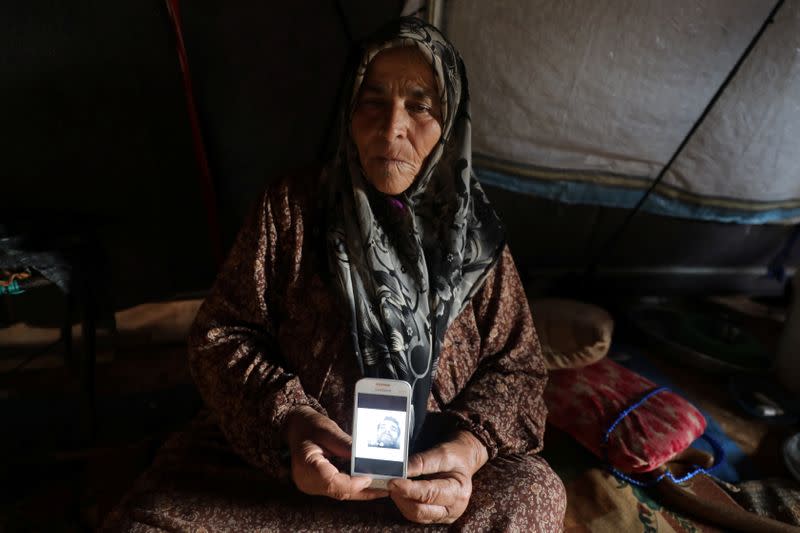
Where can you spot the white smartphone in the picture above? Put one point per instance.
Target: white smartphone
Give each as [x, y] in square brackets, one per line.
[381, 426]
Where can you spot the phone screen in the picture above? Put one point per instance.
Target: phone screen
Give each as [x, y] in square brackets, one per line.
[381, 436]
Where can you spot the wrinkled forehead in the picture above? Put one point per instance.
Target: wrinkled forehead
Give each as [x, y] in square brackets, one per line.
[432, 59]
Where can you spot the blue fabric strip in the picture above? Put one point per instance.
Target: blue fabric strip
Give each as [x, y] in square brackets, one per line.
[719, 453]
[571, 192]
[719, 458]
[738, 467]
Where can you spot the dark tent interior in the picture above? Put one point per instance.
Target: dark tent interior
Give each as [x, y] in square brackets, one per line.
[643, 159]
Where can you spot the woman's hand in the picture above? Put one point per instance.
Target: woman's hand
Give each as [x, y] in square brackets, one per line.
[443, 496]
[312, 438]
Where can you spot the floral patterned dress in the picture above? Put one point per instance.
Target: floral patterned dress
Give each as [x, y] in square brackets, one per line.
[272, 335]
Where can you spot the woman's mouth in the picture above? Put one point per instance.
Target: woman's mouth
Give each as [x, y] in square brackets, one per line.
[387, 160]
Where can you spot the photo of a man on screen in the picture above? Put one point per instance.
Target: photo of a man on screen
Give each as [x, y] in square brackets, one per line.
[387, 435]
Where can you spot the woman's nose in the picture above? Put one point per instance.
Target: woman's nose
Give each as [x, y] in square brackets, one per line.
[395, 121]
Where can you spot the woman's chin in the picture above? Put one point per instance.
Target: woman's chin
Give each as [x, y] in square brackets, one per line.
[391, 183]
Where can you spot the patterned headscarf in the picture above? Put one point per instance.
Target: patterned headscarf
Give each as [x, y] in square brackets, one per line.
[407, 265]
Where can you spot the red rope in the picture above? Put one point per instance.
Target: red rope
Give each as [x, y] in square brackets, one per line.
[206, 180]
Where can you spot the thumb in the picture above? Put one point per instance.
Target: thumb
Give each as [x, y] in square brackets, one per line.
[361, 482]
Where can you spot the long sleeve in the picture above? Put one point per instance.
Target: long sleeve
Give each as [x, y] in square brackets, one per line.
[502, 403]
[233, 355]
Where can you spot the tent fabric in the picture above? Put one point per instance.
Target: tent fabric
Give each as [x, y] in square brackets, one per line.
[747, 150]
[586, 101]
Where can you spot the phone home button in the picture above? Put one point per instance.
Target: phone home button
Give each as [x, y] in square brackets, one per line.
[379, 483]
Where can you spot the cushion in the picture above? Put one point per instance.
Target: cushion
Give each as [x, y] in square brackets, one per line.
[585, 402]
[573, 334]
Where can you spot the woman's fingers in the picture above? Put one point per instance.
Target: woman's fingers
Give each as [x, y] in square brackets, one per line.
[371, 494]
[440, 500]
[340, 486]
[430, 461]
[429, 491]
[343, 487]
[314, 474]
[307, 424]
[423, 513]
[311, 437]
[463, 453]
[444, 495]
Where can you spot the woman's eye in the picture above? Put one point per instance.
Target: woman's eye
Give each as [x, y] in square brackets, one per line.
[419, 108]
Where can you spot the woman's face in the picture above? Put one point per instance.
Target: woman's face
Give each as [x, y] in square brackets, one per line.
[397, 118]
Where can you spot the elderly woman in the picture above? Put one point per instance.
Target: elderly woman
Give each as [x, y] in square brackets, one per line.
[388, 263]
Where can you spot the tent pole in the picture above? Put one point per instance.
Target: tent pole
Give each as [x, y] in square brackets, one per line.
[613, 240]
[205, 177]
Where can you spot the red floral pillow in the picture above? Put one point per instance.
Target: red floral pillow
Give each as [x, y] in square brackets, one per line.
[586, 401]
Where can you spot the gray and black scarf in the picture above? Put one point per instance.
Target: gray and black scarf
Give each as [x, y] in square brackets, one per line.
[407, 265]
